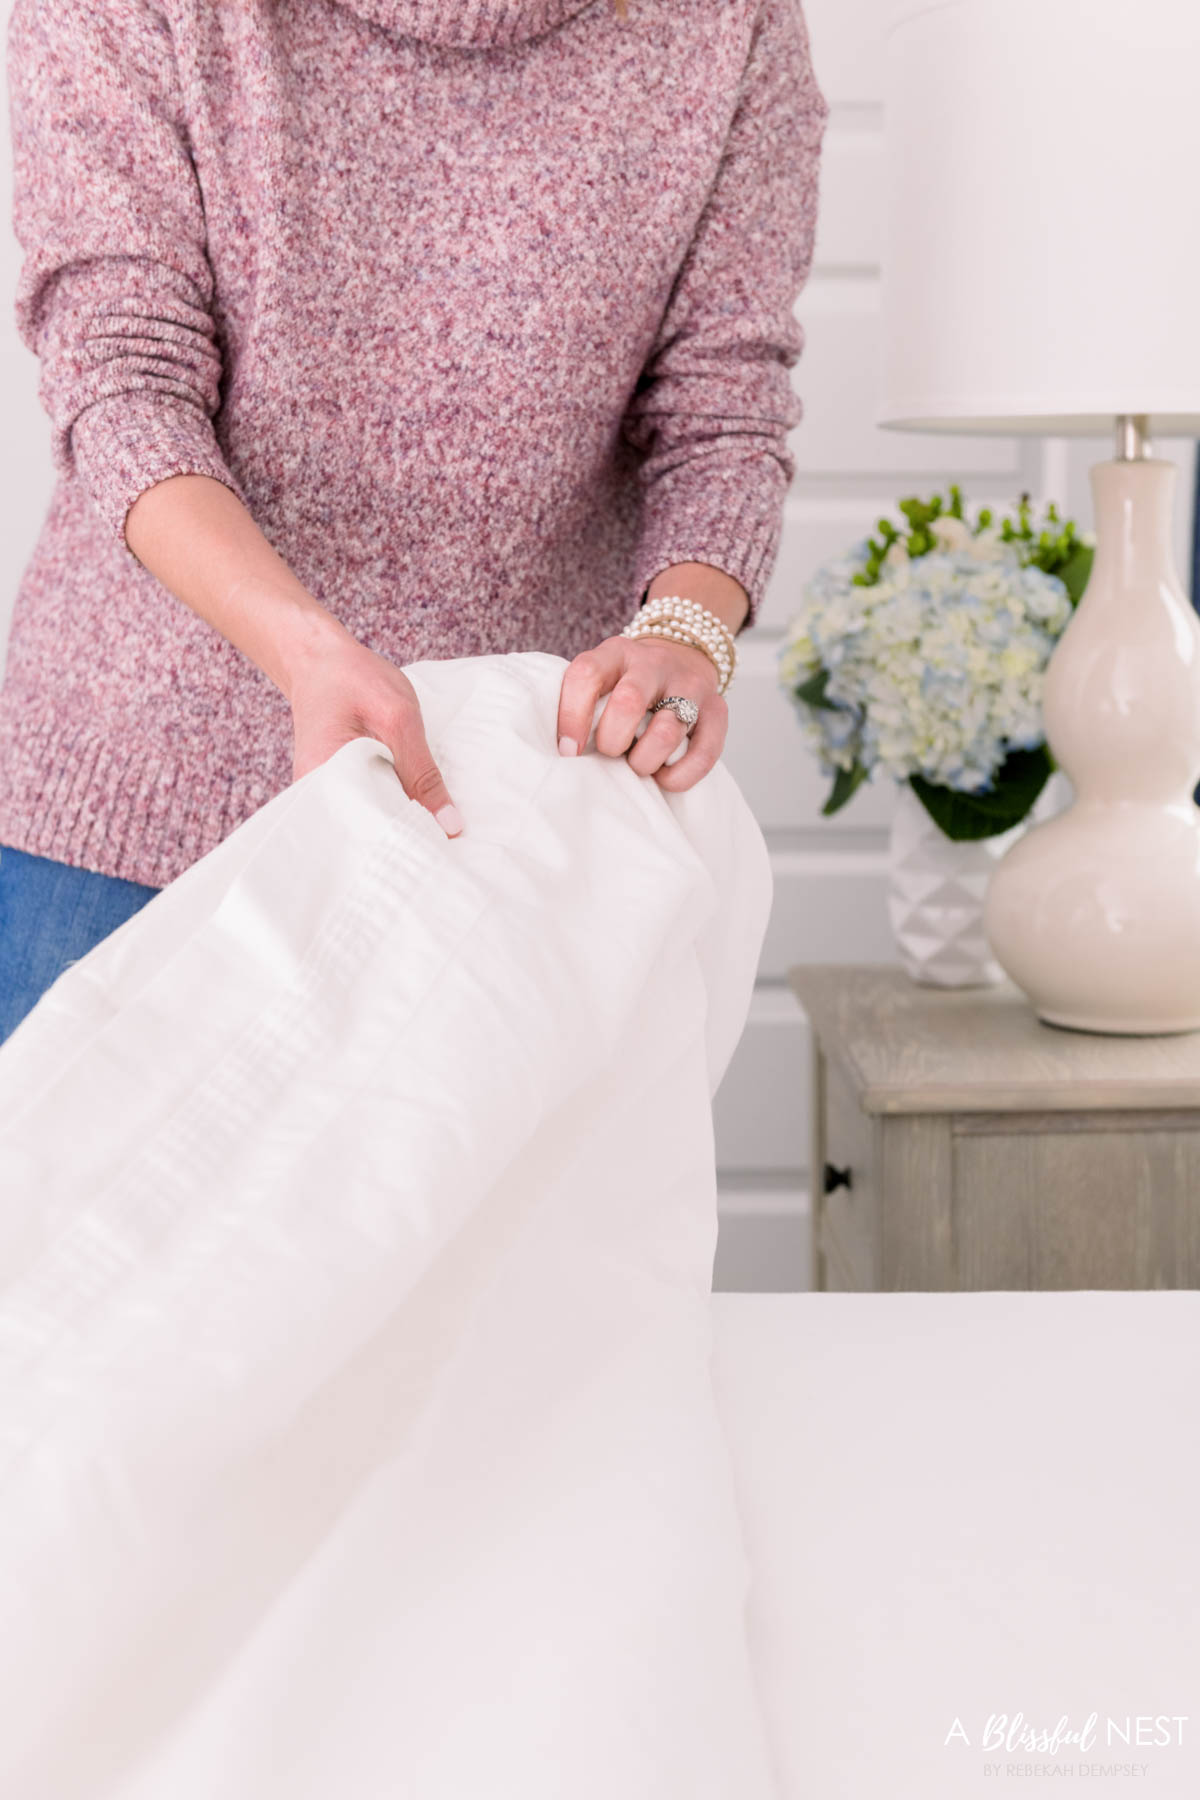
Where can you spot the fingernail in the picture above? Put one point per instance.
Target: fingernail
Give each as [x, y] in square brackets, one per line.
[567, 747]
[450, 820]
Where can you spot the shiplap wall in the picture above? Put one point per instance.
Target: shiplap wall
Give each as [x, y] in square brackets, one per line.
[829, 874]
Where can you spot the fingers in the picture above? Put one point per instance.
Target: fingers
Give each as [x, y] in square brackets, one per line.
[585, 679]
[352, 693]
[705, 744]
[625, 709]
[662, 735]
[633, 680]
[419, 775]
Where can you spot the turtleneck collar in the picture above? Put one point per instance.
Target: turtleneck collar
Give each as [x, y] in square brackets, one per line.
[468, 24]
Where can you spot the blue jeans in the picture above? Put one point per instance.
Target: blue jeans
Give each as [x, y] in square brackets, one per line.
[51, 915]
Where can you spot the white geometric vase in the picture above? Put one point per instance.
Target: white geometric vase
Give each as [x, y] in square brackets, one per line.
[936, 894]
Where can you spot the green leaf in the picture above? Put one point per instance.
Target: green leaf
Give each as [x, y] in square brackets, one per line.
[920, 512]
[812, 691]
[1017, 784]
[1076, 571]
[846, 782]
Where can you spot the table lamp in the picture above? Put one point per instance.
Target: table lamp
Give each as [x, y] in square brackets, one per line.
[1042, 275]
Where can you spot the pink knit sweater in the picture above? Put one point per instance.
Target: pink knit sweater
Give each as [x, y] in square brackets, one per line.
[484, 307]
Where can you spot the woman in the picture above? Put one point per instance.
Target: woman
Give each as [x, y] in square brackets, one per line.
[374, 331]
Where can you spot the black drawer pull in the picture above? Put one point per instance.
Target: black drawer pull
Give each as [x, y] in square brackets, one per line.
[836, 1178]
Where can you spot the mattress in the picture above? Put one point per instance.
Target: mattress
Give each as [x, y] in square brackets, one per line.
[972, 1528]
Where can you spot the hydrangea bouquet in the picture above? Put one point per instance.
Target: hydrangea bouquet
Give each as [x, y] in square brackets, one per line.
[922, 653]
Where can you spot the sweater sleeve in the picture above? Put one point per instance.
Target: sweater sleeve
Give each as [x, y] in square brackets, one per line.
[714, 403]
[115, 288]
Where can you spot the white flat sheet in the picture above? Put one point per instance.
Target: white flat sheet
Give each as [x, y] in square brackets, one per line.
[970, 1506]
[357, 1433]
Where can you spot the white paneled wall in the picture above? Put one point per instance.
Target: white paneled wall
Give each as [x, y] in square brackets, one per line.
[829, 874]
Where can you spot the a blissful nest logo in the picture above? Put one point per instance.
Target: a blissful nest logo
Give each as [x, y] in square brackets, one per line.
[1095, 1749]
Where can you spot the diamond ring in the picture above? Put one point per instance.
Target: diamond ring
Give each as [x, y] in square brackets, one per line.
[686, 711]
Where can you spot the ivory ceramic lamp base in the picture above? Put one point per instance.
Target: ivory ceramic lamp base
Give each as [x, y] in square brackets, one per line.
[1095, 913]
[1039, 278]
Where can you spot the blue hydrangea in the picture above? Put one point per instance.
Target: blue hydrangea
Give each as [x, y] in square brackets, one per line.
[937, 669]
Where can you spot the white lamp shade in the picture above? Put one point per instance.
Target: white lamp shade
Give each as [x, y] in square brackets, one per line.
[1042, 248]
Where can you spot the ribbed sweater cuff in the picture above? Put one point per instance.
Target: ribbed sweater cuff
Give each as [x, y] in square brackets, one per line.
[729, 525]
[127, 443]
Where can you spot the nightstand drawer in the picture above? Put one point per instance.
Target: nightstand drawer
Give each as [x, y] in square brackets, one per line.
[836, 1280]
[848, 1209]
[959, 1143]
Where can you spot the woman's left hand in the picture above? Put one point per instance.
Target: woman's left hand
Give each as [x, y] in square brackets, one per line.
[634, 673]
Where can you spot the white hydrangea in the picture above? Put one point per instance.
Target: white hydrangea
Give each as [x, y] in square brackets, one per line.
[935, 670]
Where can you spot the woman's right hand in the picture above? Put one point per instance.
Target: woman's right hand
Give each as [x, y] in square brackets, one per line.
[197, 537]
[341, 690]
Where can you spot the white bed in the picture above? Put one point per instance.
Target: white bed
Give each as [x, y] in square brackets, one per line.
[964, 1505]
[361, 1433]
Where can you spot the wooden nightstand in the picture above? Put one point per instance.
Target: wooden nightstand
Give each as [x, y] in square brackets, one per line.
[958, 1142]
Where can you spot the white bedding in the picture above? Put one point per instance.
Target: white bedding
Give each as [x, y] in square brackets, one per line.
[357, 1435]
[963, 1507]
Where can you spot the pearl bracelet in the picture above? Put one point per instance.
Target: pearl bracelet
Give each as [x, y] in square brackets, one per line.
[683, 634]
[687, 622]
